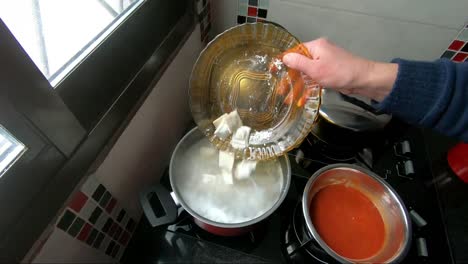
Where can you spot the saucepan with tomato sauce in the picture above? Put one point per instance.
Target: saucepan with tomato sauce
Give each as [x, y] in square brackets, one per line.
[355, 216]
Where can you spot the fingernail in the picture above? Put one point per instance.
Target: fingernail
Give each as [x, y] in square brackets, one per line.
[287, 59]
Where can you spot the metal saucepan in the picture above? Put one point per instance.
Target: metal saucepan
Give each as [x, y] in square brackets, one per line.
[390, 206]
[161, 207]
[347, 120]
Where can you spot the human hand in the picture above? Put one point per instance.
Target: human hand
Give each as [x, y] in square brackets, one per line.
[336, 68]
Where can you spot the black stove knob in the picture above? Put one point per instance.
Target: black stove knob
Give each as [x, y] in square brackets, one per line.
[403, 149]
[405, 169]
[421, 247]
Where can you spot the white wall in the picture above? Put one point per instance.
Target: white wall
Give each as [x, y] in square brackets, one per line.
[136, 160]
[62, 248]
[224, 15]
[143, 150]
[377, 29]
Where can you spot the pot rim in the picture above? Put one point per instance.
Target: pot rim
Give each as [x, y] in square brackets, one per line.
[187, 208]
[305, 210]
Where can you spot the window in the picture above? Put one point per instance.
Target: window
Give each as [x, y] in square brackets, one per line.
[10, 150]
[66, 127]
[57, 35]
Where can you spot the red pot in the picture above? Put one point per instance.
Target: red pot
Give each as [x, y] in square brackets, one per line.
[223, 231]
[161, 207]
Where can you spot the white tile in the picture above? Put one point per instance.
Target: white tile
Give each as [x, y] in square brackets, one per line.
[87, 209]
[263, 4]
[105, 243]
[463, 35]
[101, 221]
[242, 9]
[450, 14]
[116, 211]
[125, 221]
[90, 185]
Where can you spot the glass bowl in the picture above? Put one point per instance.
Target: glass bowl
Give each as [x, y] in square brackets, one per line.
[241, 69]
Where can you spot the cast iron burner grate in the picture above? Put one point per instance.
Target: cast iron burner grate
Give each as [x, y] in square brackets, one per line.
[247, 242]
[298, 246]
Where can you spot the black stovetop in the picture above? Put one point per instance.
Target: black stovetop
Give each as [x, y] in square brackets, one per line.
[184, 241]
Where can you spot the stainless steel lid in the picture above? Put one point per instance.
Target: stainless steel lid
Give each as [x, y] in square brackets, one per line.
[351, 112]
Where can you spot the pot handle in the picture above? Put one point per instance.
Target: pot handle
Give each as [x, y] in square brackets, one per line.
[360, 104]
[158, 205]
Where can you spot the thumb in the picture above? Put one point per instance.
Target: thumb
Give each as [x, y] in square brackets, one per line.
[300, 63]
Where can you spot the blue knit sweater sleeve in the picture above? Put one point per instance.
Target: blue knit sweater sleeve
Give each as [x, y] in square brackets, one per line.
[431, 94]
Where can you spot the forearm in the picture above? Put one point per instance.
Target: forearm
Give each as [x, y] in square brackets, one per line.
[431, 94]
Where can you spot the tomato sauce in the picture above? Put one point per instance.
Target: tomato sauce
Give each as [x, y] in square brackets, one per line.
[347, 221]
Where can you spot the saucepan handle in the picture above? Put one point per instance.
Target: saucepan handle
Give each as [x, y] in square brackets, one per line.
[159, 206]
[360, 104]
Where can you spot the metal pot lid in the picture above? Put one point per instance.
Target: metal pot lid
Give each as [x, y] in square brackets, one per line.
[351, 112]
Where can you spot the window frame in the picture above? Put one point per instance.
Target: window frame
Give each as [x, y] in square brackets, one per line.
[133, 41]
[88, 144]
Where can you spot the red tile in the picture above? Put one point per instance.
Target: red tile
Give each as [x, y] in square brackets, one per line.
[83, 235]
[78, 201]
[460, 57]
[456, 45]
[252, 11]
[110, 206]
[124, 238]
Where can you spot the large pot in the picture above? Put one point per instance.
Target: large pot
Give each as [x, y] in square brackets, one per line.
[161, 207]
[394, 214]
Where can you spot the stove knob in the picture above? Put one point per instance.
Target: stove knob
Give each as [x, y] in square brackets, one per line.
[403, 148]
[417, 219]
[421, 247]
[405, 169]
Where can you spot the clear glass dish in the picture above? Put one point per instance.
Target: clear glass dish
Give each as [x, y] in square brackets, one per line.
[241, 69]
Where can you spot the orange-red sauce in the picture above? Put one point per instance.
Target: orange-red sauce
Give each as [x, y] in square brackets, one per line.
[347, 221]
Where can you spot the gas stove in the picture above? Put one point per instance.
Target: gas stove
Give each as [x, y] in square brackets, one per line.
[398, 156]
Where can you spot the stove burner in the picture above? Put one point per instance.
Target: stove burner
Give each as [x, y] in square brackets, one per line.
[299, 246]
[315, 147]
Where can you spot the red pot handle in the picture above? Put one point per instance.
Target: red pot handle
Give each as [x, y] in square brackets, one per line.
[457, 158]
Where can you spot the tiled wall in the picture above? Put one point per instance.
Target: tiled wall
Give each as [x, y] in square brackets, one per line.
[252, 11]
[259, 10]
[93, 223]
[377, 29]
[458, 49]
[96, 218]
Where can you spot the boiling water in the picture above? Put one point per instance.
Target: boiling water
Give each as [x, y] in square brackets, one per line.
[211, 198]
